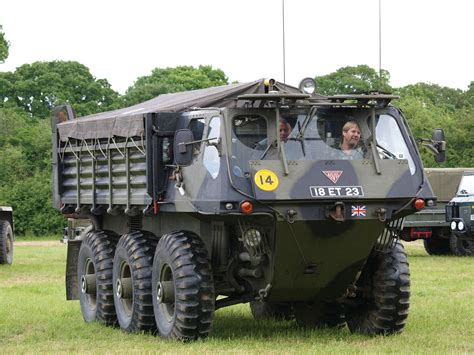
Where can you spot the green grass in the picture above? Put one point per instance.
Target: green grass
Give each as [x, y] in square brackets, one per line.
[34, 316]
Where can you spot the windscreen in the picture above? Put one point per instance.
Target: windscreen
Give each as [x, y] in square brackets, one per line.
[309, 134]
[466, 186]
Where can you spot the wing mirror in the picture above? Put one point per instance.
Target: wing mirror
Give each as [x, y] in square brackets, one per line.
[182, 148]
[436, 145]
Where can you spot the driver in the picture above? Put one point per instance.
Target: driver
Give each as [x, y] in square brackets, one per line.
[350, 143]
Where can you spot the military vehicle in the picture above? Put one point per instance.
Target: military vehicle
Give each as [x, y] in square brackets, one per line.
[6, 235]
[198, 203]
[432, 224]
[460, 215]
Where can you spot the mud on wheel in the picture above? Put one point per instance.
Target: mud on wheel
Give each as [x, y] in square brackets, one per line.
[132, 267]
[6, 243]
[183, 288]
[94, 271]
[382, 297]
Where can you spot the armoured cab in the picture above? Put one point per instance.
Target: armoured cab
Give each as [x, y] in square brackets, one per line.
[299, 213]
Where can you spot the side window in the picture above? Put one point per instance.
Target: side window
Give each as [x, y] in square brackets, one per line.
[251, 130]
[197, 127]
[390, 141]
[211, 159]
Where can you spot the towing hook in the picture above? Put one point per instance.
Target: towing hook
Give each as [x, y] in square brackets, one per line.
[381, 213]
[336, 212]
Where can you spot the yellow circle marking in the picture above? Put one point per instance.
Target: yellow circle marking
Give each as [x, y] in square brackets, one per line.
[266, 180]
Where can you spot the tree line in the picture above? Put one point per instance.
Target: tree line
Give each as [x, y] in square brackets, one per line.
[28, 94]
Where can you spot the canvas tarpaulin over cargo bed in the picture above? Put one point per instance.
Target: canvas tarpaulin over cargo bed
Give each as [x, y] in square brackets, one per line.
[128, 122]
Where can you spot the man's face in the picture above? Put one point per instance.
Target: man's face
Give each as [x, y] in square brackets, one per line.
[352, 137]
[285, 131]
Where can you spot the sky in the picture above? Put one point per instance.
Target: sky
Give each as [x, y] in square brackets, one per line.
[422, 40]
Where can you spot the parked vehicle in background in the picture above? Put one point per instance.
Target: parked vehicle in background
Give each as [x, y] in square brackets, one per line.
[433, 224]
[6, 235]
[460, 216]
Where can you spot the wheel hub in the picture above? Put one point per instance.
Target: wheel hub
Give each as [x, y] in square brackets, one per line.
[124, 288]
[88, 284]
[165, 292]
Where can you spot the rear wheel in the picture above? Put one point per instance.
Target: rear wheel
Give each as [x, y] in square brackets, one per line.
[6, 243]
[133, 262]
[276, 311]
[320, 315]
[461, 247]
[183, 288]
[382, 297]
[437, 246]
[94, 269]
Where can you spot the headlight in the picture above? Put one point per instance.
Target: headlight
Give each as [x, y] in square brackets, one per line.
[453, 225]
[252, 238]
[460, 225]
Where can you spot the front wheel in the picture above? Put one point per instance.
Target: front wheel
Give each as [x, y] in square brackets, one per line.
[6, 243]
[437, 246]
[461, 247]
[183, 288]
[383, 293]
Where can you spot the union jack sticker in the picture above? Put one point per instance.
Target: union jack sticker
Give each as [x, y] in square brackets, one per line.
[358, 211]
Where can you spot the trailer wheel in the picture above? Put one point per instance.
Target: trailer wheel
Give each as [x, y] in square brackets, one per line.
[275, 311]
[6, 243]
[382, 297]
[461, 247]
[437, 246]
[132, 266]
[320, 315]
[183, 288]
[94, 270]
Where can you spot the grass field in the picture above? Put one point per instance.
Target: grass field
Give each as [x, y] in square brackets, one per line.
[34, 316]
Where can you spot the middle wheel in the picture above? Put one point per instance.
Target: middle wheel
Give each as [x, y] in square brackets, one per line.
[132, 281]
[183, 288]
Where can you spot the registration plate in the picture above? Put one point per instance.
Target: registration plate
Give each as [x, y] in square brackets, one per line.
[335, 191]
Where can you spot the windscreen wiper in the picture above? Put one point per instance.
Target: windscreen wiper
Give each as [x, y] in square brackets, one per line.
[386, 152]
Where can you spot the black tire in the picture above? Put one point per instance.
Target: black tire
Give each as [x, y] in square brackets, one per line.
[132, 267]
[94, 272]
[6, 243]
[461, 247]
[320, 315]
[437, 246]
[183, 287]
[275, 311]
[383, 294]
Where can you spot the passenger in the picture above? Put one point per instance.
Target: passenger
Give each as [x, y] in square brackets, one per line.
[285, 130]
[350, 143]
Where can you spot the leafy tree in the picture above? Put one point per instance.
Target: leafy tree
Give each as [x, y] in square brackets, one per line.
[4, 45]
[181, 78]
[39, 86]
[32, 205]
[25, 172]
[449, 98]
[353, 80]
